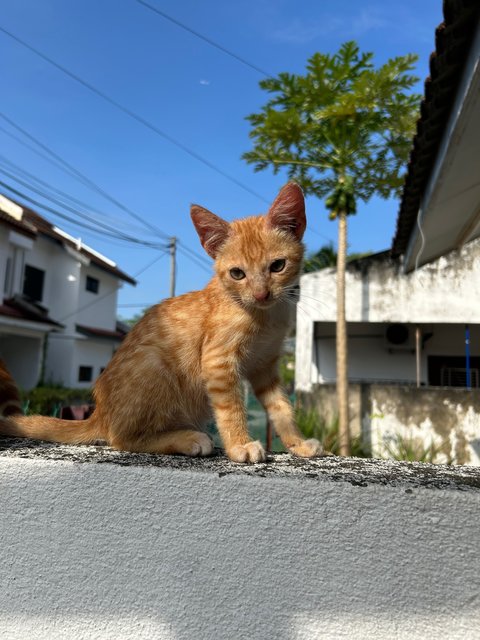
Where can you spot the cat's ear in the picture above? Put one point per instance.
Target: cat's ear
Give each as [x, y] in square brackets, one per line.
[212, 230]
[288, 211]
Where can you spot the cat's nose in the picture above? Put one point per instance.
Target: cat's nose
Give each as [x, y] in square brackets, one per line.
[261, 296]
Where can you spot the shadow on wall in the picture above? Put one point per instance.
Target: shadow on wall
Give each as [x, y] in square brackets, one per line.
[103, 551]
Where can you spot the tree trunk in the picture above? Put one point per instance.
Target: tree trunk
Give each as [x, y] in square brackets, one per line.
[342, 357]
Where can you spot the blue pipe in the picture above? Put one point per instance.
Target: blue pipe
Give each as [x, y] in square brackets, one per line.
[467, 356]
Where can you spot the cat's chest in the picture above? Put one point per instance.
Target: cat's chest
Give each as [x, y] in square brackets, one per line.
[264, 346]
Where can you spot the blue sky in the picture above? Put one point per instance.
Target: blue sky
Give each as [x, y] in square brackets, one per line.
[192, 92]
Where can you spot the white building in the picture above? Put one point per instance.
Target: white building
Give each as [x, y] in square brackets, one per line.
[403, 328]
[58, 315]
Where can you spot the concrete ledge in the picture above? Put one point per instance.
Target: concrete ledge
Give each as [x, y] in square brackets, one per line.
[356, 471]
[100, 544]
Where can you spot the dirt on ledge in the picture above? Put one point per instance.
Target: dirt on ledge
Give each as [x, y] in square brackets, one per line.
[360, 472]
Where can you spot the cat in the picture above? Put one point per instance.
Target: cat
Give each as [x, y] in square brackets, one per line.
[185, 361]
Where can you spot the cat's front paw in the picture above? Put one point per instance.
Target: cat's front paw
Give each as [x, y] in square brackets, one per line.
[250, 452]
[308, 449]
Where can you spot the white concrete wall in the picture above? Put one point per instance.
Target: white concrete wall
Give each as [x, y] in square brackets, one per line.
[71, 304]
[99, 551]
[372, 359]
[448, 420]
[66, 354]
[63, 282]
[23, 354]
[65, 292]
[444, 292]
[91, 353]
[98, 309]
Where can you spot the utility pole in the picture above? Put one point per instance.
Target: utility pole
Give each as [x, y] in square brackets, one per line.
[173, 251]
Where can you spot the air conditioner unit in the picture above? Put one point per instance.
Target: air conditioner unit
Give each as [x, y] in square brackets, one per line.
[399, 338]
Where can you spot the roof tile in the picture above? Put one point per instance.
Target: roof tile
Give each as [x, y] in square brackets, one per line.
[453, 39]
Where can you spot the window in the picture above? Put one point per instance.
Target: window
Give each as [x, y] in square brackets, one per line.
[33, 283]
[92, 284]
[85, 374]
[450, 371]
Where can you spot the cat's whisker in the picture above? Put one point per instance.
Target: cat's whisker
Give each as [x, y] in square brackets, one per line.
[319, 315]
[308, 300]
[305, 311]
[322, 294]
[303, 307]
[297, 306]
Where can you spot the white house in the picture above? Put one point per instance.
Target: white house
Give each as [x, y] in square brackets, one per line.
[58, 314]
[403, 328]
[413, 312]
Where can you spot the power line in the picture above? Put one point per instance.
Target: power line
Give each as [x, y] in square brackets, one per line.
[209, 41]
[194, 259]
[52, 161]
[109, 231]
[14, 167]
[198, 256]
[113, 230]
[68, 198]
[146, 123]
[83, 179]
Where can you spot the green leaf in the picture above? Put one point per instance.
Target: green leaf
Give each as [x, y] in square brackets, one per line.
[343, 129]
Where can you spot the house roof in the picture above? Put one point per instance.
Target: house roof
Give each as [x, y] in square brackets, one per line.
[21, 309]
[94, 332]
[19, 225]
[33, 224]
[453, 41]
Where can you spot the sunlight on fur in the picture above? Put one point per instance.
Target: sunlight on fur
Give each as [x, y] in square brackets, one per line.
[185, 362]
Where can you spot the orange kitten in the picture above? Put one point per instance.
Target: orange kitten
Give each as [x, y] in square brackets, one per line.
[188, 356]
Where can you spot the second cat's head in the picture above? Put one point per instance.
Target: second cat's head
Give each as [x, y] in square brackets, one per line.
[257, 259]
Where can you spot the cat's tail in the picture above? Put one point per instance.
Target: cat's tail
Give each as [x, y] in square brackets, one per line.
[13, 423]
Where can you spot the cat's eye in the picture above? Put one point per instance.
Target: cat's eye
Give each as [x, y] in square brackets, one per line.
[277, 266]
[237, 274]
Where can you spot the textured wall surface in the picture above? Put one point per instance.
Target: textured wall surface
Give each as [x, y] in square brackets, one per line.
[98, 544]
[446, 418]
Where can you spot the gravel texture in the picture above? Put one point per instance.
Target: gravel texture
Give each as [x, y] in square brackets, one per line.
[356, 471]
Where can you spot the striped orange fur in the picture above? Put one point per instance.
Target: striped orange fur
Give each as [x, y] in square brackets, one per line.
[186, 360]
[9, 397]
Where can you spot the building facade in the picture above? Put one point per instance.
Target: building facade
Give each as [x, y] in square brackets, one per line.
[59, 304]
[402, 328]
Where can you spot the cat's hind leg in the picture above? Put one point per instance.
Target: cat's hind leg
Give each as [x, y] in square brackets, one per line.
[186, 442]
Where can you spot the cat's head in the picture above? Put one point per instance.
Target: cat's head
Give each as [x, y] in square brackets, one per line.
[257, 259]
